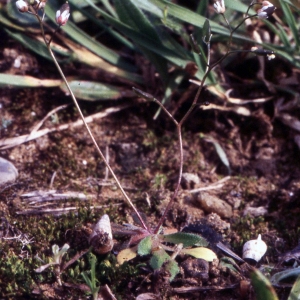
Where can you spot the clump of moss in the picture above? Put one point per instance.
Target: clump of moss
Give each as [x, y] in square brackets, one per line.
[246, 228]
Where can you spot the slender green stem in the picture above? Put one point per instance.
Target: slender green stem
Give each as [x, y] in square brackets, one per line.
[228, 24]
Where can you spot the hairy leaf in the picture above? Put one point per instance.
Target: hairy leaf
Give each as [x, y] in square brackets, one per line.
[187, 239]
[145, 246]
[262, 286]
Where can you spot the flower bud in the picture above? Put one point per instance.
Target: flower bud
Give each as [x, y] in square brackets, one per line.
[261, 51]
[39, 4]
[219, 7]
[271, 56]
[62, 15]
[266, 10]
[22, 6]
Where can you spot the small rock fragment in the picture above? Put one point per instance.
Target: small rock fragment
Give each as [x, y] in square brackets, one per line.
[217, 223]
[255, 211]
[190, 180]
[213, 204]
[8, 172]
[196, 269]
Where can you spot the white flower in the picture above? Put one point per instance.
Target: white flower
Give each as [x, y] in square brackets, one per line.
[62, 15]
[271, 56]
[263, 52]
[22, 6]
[219, 7]
[266, 10]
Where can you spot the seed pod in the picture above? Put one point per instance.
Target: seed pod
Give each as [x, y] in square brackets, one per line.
[101, 237]
[254, 249]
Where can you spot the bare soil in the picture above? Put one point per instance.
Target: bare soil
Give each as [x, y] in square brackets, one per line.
[264, 163]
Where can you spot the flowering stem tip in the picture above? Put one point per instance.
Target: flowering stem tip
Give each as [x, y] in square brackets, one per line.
[22, 6]
[219, 7]
[62, 15]
[266, 10]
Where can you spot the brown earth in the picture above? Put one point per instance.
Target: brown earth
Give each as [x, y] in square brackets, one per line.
[261, 149]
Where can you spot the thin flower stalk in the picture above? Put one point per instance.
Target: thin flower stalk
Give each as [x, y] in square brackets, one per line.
[220, 8]
[61, 19]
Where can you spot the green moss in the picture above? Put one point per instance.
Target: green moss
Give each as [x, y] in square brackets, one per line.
[248, 228]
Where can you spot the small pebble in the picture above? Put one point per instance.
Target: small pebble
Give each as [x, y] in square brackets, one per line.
[213, 204]
[8, 172]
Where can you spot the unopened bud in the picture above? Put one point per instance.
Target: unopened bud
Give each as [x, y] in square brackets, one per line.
[62, 15]
[219, 7]
[266, 10]
[22, 6]
[271, 56]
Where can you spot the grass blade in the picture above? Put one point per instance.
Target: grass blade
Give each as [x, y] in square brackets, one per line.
[83, 39]
[262, 286]
[93, 91]
[291, 21]
[19, 81]
[295, 291]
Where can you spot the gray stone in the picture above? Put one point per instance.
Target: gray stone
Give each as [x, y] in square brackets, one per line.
[8, 172]
[213, 204]
[255, 211]
[190, 180]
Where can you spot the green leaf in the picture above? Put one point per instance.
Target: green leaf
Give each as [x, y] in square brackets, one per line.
[131, 15]
[151, 44]
[228, 262]
[206, 32]
[295, 291]
[126, 255]
[262, 286]
[92, 280]
[291, 21]
[92, 91]
[21, 81]
[200, 252]
[93, 260]
[174, 80]
[158, 258]
[102, 26]
[34, 45]
[83, 39]
[87, 279]
[195, 45]
[145, 246]
[287, 275]
[279, 30]
[284, 37]
[195, 19]
[221, 153]
[187, 239]
[202, 7]
[173, 268]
